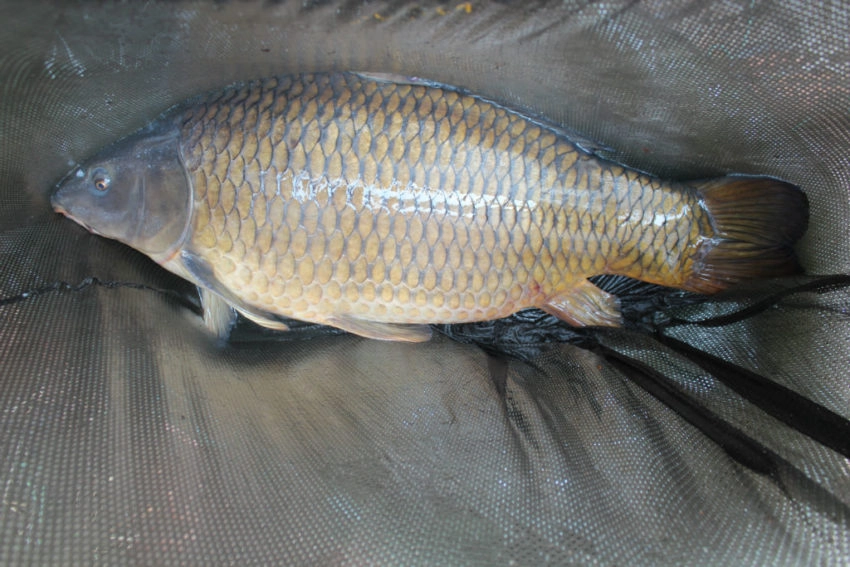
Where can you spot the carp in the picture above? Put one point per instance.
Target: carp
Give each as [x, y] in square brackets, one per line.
[381, 206]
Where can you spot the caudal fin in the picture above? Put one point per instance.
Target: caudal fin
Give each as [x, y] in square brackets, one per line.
[756, 221]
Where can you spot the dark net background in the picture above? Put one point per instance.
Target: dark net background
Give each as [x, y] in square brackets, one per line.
[127, 436]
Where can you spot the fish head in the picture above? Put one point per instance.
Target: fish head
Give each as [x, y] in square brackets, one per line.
[136, 191]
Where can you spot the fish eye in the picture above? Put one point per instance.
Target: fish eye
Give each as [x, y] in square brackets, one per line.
[100, 180]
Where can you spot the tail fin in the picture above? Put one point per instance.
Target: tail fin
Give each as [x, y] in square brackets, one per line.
[756, 221]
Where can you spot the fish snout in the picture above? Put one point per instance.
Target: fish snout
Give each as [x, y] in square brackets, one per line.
[56, 204]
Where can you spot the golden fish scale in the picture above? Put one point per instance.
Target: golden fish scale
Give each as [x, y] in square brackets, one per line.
[324, 195]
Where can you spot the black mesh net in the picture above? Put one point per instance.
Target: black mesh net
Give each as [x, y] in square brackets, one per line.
[129, 436]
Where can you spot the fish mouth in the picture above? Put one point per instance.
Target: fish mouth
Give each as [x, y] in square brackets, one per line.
[61, 210]
[64, 212]
[57, 205]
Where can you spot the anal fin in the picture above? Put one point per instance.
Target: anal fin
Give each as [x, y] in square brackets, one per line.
[585, 305]
[381, 331]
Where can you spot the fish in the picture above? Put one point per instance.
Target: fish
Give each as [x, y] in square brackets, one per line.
[383, 206]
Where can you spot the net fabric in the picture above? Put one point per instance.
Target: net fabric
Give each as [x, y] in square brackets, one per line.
[129, 437]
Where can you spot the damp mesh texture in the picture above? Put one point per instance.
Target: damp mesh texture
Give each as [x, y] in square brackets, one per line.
[127, 436]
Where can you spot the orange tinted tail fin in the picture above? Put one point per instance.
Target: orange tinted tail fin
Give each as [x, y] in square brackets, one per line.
[756, 220]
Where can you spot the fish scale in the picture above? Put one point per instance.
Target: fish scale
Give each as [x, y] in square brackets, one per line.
[369, 204]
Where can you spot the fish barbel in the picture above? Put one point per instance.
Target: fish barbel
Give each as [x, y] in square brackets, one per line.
[380, 206]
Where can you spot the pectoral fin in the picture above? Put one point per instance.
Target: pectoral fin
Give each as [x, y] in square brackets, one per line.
[585, 305]
[381, 331]
[217, 299]
[219, 316]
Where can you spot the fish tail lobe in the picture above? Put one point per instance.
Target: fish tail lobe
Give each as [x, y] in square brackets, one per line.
[756, 222]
